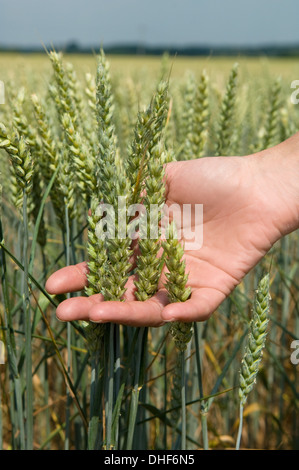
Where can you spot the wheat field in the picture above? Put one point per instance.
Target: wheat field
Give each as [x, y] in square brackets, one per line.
[141, 398]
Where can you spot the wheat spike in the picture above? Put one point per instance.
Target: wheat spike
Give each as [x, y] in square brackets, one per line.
[256, 339]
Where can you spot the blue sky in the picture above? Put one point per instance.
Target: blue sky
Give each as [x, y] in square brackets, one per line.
[152, 22]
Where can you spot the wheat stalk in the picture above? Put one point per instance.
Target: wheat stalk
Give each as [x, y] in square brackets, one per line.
[20, 158]
[147, 134]
[49, 159]
[227, 113]
[256, 342]
[199, 133]
[149, 266]
[271, 135]
[29, 133]
[181, 331]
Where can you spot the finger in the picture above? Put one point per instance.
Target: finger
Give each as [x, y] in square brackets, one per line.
[74, 278]
[68, 279]
[77, 308]
[202, 303]
[131, 313]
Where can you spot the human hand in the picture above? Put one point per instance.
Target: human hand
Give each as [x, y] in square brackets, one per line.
[244, 214]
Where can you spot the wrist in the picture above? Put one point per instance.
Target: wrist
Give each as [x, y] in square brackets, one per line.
[276, 173]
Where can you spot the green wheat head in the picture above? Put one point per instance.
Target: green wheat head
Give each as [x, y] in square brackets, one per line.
[227, 111]
[176, 285]
[149, 265]
[256, 339]
[20, 158]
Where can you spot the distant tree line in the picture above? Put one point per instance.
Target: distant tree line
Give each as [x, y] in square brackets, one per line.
[140, 49]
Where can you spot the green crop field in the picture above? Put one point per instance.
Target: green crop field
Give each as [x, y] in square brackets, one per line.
[75, 129]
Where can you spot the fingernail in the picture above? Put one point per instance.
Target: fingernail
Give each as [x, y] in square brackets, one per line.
[59, 319]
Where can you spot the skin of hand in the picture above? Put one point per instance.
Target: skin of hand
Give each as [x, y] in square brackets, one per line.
[248, 202]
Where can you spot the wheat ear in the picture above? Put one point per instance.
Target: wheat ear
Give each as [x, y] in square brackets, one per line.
[149, 266]
[20, 158]
[271, 136]
[227, 113]
[201, 116]
[176, 285]
[255, 345]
